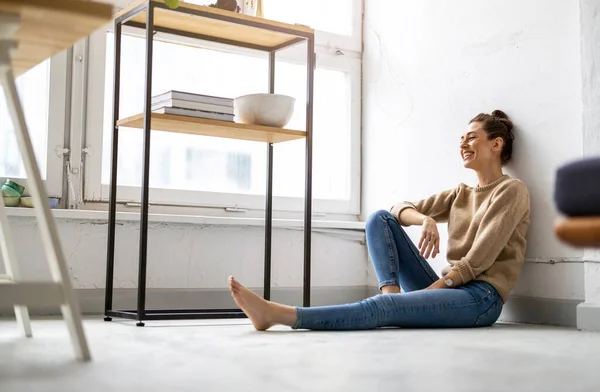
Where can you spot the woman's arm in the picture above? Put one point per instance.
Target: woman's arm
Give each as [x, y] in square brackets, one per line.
[429, 244]
[436, 207]
[410, 217]
[441, 282]
[426, 213]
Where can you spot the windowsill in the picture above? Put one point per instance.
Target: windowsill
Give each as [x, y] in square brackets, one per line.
[189, 219]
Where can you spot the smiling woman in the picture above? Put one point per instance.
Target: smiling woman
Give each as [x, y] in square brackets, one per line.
[487, 226]
[495, 130]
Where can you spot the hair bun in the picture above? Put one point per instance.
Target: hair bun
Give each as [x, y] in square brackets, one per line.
[500, 114]
[503, 118]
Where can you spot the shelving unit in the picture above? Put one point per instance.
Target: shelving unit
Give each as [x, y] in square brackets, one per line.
[209, 24]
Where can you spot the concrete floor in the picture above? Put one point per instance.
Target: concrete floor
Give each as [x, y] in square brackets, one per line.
[229, 355]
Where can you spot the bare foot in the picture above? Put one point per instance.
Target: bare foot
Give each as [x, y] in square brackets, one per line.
[258, 310]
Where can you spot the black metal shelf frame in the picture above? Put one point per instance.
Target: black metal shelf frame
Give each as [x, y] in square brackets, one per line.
[141, 313]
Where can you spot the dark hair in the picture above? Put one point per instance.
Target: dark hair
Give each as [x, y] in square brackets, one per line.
[496, 125]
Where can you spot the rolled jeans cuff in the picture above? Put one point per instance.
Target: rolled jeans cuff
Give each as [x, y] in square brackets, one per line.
[388, 283]
[298, 318]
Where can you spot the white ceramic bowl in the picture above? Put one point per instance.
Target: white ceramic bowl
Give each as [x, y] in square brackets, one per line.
[272, 110]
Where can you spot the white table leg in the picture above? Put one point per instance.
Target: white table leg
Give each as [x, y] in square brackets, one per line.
[50, 238]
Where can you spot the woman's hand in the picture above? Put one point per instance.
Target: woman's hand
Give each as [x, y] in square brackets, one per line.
[454, 276]
[429, 245]
[438, 284]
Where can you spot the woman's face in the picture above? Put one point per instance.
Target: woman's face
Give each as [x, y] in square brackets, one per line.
[476, 150]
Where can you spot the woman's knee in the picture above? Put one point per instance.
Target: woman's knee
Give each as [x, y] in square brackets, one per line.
[377, 217]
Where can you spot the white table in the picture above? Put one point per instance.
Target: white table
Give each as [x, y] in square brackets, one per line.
[30, 32]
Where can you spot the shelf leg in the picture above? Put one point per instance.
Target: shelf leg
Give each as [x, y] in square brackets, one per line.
[112, 203]
[269, 193]
[141, 305]
[310, 67]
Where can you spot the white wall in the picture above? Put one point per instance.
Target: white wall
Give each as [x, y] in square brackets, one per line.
[590, 55]
[430, 66]
[189, 256]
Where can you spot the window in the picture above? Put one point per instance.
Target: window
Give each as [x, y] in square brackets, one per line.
[204, 171]
[337, 23]
[43, 92]
[33, 89]
[315, 13]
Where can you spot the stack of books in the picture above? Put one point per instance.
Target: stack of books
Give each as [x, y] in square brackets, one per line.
[193, 105]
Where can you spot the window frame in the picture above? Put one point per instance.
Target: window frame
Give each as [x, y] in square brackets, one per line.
[342, 42]
[95, 191]
[57, 126]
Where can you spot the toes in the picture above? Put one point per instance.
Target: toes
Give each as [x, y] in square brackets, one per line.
[234, 285]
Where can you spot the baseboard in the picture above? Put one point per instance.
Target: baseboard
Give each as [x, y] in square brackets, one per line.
[529, 310]
[588, 316]
[92, 300]
[372, 291]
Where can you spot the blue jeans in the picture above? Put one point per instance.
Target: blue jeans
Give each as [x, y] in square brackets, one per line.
[397, 262]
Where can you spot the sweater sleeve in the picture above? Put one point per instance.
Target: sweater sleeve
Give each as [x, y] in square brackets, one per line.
[506, 210]
[436, 206]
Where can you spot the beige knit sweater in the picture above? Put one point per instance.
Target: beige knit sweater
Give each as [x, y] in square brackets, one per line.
[486, 229]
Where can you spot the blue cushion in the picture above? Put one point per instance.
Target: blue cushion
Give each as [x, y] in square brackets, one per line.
[577, 189]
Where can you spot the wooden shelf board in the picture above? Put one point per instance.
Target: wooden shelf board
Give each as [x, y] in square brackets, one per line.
[232, 29]
[49, 27]
[215, 128]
